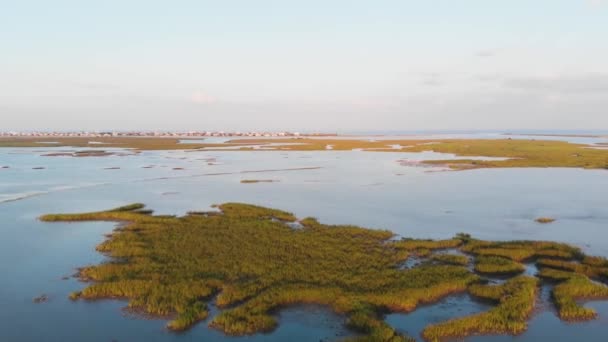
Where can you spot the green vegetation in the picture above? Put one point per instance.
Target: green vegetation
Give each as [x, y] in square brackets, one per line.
[253, 263]
[520, 153]
[130, 207]
[521, 250]
[515, 303]
[595, 261]
[545, 220]
[424, 247]
[450, 259]
[577, 288]
[137, 143]
[516, 254]
[580, 268]
[554, 275]
[516, 152]
[251, 181]
[192, 314]
[574, 287]
[497, 265]
[367, 322]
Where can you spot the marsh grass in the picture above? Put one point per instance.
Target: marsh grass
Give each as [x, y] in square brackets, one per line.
[423, 248]
[129, 207]
[137, 143]
[253, 181]
[571, 288]
[366, 321]
[521, 250]
[595, 261]
[515, 300]
[497, 265]
[545, 220]
[517, 152]
[576, 288]
[253, 263]
[576, 267]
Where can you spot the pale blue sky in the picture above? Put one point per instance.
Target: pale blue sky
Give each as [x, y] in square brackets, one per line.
[304, 65]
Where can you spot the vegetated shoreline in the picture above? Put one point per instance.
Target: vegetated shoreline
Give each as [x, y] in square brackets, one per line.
[517, 152]
[557, 135]
[253, 181]
[157, 264]
[84, 153]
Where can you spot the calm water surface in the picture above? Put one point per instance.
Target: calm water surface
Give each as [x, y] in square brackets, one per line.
[363, 188]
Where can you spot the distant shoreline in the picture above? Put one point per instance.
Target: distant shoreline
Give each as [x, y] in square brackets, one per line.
[558, 135]
[510, 152]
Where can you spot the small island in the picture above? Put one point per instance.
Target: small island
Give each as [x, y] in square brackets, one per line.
[253, 181]
[545, 220]
[251, 262]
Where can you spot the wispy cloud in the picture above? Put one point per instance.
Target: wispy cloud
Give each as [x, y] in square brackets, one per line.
[583, 83]
[200, 97]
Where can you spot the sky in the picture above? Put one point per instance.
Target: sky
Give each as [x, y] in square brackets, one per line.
[330, 65]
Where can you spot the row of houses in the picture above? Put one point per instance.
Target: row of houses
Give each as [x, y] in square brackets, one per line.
[159, 134]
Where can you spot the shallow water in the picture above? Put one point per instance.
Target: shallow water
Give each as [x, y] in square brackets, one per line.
[364, 188]
[577, 137]
[413, 323]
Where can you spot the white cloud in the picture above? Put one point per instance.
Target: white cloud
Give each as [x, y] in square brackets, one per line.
[202, 98]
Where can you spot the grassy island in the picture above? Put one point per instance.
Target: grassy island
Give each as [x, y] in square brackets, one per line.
[251, 263]
[570, 288]
[450, 259]
[253, 181]
[497, 265]
[515, 301]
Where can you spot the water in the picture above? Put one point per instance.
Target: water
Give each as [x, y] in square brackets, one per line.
[573, 136]
[364, 188]
[413, 323]
[546, 326]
